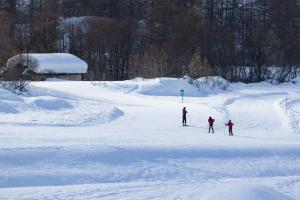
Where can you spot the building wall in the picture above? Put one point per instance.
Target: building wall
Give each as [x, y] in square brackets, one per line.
[72, 77]
[42, 77]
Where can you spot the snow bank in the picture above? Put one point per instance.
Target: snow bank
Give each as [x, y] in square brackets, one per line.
[51, 103]
[52, 109]
[244, 192]
[9, 96]
[213, 83]
[7, 108]
[5, 99]
[168, 86]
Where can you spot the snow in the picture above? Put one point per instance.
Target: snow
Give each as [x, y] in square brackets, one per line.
[6, 108]
[245, 192]
[54, 63]
[59, 63]
[82, 21]
[53, 109]
[167, 86]
[124, 140]
[50, 103]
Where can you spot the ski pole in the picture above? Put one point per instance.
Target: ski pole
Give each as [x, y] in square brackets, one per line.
[189, 118]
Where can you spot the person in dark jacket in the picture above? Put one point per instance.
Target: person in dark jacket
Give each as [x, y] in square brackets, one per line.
[184, 112]
[230, 126]
[211, 124]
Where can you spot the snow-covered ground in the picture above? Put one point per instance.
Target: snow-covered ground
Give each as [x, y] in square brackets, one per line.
[124, 140]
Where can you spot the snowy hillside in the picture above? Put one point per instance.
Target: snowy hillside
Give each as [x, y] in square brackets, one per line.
[124, 140]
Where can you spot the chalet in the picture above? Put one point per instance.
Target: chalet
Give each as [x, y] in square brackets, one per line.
[39, 67]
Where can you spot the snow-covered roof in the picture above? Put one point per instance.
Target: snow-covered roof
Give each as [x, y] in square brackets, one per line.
[52, 63]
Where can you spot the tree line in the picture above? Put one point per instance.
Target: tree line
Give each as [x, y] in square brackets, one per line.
[240, 40]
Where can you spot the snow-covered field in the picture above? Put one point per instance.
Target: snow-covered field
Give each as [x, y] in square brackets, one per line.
[124, 140]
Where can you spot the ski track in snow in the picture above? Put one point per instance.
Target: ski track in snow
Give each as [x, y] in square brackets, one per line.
[142, 152]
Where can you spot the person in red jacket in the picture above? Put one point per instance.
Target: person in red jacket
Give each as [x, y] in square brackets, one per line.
[230, 126]
[211, 124]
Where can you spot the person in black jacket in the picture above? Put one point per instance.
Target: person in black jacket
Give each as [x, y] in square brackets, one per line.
[184, 112]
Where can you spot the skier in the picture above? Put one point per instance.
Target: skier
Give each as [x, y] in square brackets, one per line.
[211, 124]
[230, 126]
[184, 112]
